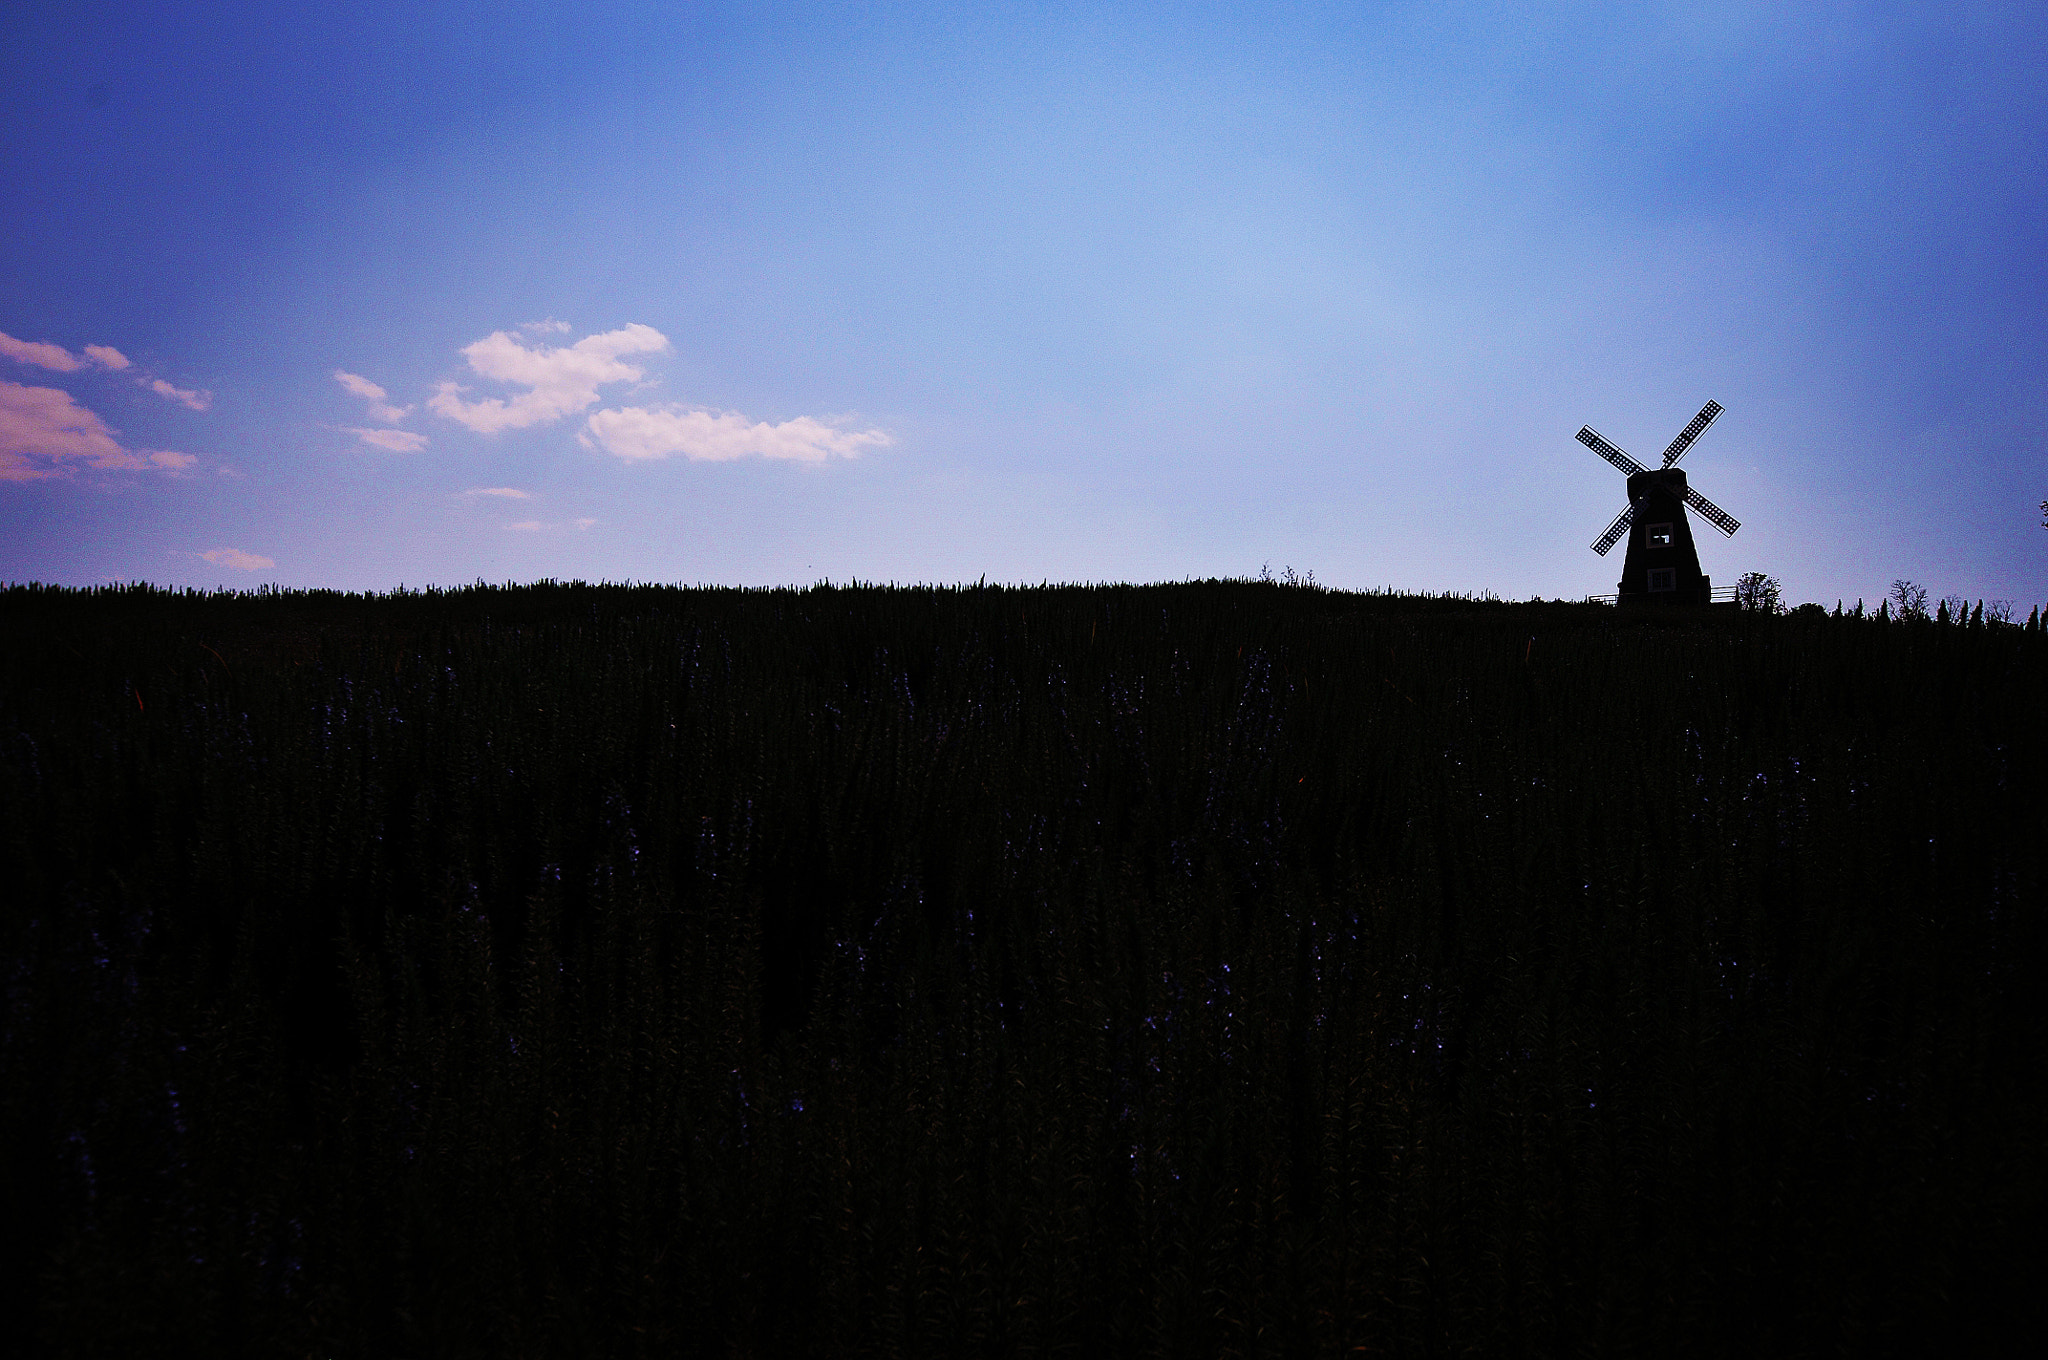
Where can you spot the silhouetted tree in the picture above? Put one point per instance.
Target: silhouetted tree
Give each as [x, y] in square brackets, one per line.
[1757, 592]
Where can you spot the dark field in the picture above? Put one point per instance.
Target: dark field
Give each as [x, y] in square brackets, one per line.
[1212, 969]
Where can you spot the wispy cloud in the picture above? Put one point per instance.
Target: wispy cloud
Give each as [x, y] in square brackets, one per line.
[397, 441]
[43, 431]
[380, 407]
[510, 493]
[380, 403]
[198, 401]
[558, 381]
[236, 558]
[58, 359]
[41, 353]
[640, 434]
[535, 526]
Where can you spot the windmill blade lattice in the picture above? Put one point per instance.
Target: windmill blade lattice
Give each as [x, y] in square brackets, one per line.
[1712, 513]
[1614, 530]
[1707, 416]
[1590, 437]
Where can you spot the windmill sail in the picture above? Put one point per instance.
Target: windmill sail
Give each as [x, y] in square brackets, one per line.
[1614, 531]
[1708, 414]
[1712, 513]
[1592, 440]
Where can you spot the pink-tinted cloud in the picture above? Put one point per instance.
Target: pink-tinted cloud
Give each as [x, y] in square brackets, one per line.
[198, 401]
[397, 441]
[42, 429]
[380, 404]
[559, 382]
[511, 493]
[638, 434]
[44, 432]
[41, 353]
[527, 526]
[361, 386]
[58, 359]
[236, 558]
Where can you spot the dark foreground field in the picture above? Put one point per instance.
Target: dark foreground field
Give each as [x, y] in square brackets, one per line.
[1221, 969]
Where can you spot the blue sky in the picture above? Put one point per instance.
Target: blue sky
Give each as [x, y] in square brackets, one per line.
[925, 293]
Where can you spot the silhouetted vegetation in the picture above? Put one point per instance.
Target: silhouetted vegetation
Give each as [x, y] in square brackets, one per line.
[1179, 970]
[1758, 593]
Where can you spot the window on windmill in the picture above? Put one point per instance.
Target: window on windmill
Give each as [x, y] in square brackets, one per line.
[1663, 578]
[1657, 536]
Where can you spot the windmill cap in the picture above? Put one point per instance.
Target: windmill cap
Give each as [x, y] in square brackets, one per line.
[1670, 481]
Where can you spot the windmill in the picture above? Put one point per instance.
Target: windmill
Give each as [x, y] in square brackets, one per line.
[1662, 566]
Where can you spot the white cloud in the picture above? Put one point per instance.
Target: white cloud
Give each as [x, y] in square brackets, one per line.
[559, 382]
[198, 401]
[528, 526]
[583, 523]
[41, 353]
[638, 434]
[236, 558]
[380, 405]
[550, 325]
[398, 441]
[512, 493]
[43, 428]
[106, 356]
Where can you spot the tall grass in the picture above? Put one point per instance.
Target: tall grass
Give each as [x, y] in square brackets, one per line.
[1218, 968]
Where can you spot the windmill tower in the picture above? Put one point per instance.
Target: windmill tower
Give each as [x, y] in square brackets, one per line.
[1662, 566]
